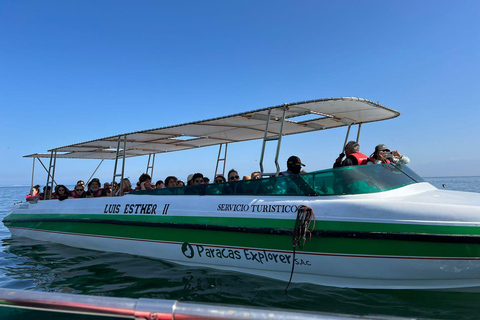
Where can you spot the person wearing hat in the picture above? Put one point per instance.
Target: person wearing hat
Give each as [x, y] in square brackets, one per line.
[353, 156]
[383, 155]
[294, 166]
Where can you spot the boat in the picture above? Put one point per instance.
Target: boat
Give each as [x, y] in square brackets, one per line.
[369, 226]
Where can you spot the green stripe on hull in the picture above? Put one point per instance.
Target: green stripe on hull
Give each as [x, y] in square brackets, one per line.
[320, 245]
[266, 223]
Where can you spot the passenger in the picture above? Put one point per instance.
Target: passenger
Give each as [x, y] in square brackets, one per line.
[197, 179]
[219, 178]
[159, 184]
[107, 190]
[256, 175]
[114, 189]
[180, 183]
[354, 156]
[46, 194]
[79, 191]
[34, 193]
[294, 166]
[171, 182]
[61, 192]
[190, 179]
[206, 180]
[127, 187]
[144, 182]
[247, 178]
[233, 175]
[94, 189]
[382, 155]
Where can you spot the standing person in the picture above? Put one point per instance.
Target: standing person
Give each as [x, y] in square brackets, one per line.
[34, 193]
[382, 155]
[353, 156]
[294, 166]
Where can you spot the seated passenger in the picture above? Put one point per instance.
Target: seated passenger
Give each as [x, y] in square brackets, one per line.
[144, 182]
[126, 187]
[79, 192]
[180, 183]
[219, 178]
[256, 175]
[159, 184]
[34, 193]
[197, 179]
[354, 156]
[46, 194]
[94, 189]
[61, 192]
[233, 175]
[171, 182]
[206, 180]
[294, 166]
[382, 155]
[81, 182]
[114, 189]
[107, 190]
[190, 179]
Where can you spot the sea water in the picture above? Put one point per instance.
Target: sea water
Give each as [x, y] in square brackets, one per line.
[49, 267]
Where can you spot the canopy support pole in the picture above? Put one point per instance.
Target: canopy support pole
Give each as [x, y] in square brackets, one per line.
[151, 157]
[358, 132]
[224, 160]
[95, 172]
[51, 174]
[33, 173]
[277, 137]
[120, 155]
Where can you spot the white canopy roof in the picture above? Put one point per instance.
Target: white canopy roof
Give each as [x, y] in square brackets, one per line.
[322, 114]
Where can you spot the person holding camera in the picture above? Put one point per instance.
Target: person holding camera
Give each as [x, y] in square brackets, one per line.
[383, 155]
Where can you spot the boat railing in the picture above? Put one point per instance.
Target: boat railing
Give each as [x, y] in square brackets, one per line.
[27, 304]
[339, 181]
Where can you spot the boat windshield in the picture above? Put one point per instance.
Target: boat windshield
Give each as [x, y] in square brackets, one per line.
[339, 181]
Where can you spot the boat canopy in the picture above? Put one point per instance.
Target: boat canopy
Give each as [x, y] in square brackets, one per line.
[286, 119]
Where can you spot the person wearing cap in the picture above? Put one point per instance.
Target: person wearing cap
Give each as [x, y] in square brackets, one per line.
[294, 166]
[189, 179]
[353, 156]
[383, 155]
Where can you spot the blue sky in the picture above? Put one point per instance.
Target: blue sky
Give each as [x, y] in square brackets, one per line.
[73, 71]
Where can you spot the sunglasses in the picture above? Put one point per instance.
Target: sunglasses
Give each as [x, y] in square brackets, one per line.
[79, 189]
[198, 181]
[234, 177]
